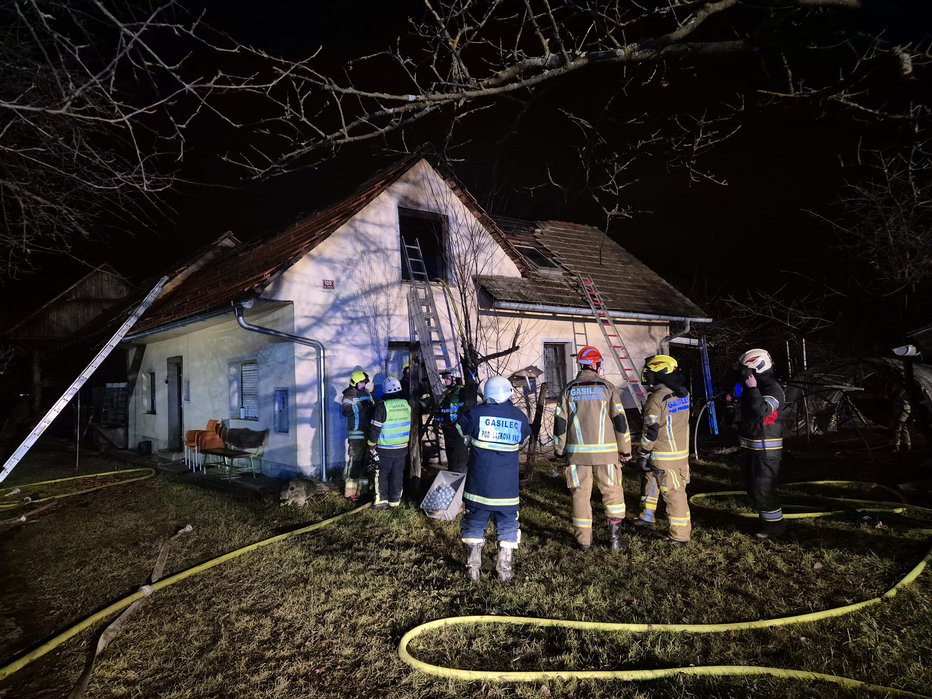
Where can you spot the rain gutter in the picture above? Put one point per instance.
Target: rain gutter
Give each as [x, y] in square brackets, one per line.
[576, 311]
[239, 310]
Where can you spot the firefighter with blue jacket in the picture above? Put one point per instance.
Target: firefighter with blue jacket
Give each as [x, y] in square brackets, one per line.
[357, 407]
[760, 438]
[496, 430]
[664, 450]
[590, 430]
[389, 432]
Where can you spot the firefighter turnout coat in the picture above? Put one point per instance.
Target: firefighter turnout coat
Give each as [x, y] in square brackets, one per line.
[496, 432]
[589, 424]
[357, 407]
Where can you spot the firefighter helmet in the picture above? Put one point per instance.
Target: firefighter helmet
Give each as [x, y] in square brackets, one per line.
[657, 365]
[358, 376]
[758, 360]
[497, 389]
[589, 356]
[391, 385]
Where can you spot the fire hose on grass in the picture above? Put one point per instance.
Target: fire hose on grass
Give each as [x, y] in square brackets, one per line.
[545, 675]
[28, 500]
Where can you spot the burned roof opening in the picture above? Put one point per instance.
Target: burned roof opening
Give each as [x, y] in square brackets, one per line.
[537, 258]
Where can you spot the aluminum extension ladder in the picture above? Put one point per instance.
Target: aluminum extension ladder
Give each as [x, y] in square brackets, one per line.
[73, 389]
[426, 319]
[707, 384]
[629, 372]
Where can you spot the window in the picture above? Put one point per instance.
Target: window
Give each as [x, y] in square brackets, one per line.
[537, 258]
[555, 368]
[399, 354]
[428, 231]
[249, 391]
[150, 398]
[280, 411]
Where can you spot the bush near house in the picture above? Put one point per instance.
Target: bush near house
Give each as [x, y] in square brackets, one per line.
[321, 615]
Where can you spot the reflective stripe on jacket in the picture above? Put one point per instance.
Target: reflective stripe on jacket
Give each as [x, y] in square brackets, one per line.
[589, 423]
[666, 426]
[357, 407]
[391, 424]
[759, 427]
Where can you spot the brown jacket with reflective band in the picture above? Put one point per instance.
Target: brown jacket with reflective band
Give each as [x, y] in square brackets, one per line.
[589, 424]
[666, 427]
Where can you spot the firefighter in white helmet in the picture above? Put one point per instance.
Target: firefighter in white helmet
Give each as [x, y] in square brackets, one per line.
[760, 437]
[389, 432]
[496, 430]
[590, 429]
[664, 449]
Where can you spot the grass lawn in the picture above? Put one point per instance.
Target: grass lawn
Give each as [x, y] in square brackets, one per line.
[321, 615]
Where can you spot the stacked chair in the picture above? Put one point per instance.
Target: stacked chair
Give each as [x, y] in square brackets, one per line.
[196, 441]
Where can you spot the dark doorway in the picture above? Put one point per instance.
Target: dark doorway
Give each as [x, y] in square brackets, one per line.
[174, 403]
[429, 230]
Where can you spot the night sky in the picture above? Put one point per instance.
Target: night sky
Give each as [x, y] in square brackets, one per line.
[706, 238]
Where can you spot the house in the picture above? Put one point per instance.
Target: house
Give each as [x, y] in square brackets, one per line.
[336, 280]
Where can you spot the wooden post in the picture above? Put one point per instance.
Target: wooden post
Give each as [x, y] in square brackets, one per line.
[414, 440]
[535, 431]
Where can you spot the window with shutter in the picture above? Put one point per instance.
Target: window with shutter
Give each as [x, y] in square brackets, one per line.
[249, 390]
[555, 368]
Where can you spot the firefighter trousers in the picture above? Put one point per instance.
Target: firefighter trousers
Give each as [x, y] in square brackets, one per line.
[391, 475]
[579, 479]
[476, 520]
[668, 480]
[356, 480]
[457, 451]
[762, 474]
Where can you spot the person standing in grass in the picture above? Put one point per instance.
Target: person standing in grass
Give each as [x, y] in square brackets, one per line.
[496, 430]
[760, 438]
[389, 431]
[664, 452]
[590, 429]
[357, 406]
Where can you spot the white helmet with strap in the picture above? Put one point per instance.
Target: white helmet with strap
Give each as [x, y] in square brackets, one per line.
[757, 359]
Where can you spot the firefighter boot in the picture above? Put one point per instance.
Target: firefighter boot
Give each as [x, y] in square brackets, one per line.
[503, 564]
[614, 535]
[473, 561]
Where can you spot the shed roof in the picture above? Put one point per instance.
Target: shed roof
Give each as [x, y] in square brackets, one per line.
[627, 285]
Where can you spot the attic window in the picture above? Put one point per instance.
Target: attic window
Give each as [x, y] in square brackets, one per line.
[537, 258]
[429, 232]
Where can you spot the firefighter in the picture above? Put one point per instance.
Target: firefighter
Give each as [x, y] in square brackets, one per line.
[664, 452]
[450, 404]
[899, 425]
[760, 438]
[389, 432]
[496, 429]
[357, 407]
[590, 429]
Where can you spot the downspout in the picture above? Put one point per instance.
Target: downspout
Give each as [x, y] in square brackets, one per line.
[239, 310]
[665, 342]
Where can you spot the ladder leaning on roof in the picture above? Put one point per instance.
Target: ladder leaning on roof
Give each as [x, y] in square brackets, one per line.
[629, 372]
[76, 385]
[426, 319]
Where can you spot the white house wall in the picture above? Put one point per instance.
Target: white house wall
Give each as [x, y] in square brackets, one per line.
[366, 308]
[207, 355]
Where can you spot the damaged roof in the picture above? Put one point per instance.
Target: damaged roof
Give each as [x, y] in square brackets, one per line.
[627, 285]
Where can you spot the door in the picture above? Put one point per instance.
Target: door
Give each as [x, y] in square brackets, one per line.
[174, 404]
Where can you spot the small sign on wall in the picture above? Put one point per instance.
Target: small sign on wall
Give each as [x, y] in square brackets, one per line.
[329, 284]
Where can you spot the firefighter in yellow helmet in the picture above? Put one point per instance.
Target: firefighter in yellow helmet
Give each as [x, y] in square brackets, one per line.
[664, 452]
[590, 429]
[357, 407]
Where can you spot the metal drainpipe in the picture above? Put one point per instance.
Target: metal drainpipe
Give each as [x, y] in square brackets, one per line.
[321, 374]
[665, 342]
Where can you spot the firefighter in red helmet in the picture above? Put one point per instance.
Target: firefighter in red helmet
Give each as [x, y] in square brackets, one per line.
[590, 429]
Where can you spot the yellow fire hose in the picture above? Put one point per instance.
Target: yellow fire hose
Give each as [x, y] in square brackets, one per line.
[15, 490]
[542, 675]
[700, 671]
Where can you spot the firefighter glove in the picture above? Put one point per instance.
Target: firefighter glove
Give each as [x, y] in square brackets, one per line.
[643, 462]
